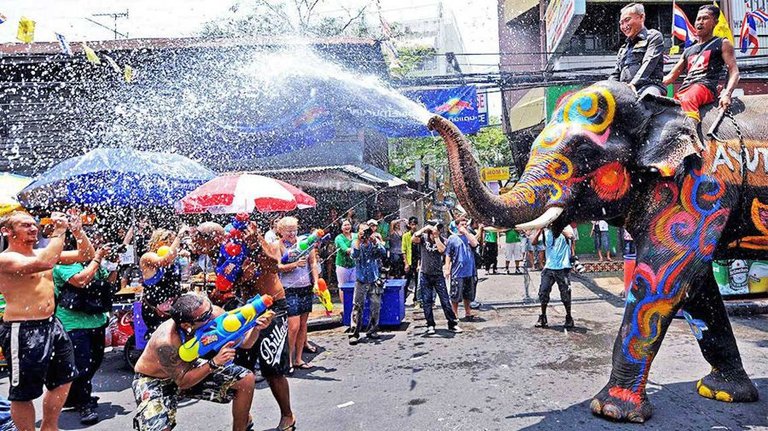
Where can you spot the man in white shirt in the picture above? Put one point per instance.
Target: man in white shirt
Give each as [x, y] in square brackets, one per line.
[601, 239]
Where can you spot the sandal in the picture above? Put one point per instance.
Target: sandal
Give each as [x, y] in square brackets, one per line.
[291, 427]
[304, 366]
[309, 348]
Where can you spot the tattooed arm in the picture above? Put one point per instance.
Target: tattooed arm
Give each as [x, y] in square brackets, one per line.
[185, 374]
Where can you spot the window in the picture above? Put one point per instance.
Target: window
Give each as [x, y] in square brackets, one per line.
[599, 34]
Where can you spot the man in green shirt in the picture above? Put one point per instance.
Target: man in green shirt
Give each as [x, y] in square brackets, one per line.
[513, 250]
[411, 257]
[490, 249]
[383, 226]
[85, 329]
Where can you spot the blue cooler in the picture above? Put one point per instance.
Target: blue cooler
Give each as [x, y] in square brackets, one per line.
[139, 328]
[392, 304]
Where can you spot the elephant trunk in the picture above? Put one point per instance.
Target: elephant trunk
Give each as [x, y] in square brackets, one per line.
[511, 209]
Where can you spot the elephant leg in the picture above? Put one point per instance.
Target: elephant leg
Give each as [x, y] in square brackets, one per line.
[651, 304]
[727, 381]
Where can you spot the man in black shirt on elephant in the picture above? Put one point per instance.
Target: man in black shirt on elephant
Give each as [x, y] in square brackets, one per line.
[640, 61]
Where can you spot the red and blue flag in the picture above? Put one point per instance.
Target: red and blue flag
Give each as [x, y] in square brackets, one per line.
[760, 15]
[681, 27]
[748, 34]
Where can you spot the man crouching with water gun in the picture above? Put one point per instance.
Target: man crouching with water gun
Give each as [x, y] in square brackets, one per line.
[162, 377]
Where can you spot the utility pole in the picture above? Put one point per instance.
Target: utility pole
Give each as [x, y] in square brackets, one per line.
[115, 16]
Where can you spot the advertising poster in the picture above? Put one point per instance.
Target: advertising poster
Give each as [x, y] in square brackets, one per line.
[741, 277]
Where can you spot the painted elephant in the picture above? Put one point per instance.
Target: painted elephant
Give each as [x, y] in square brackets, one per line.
[606, 155]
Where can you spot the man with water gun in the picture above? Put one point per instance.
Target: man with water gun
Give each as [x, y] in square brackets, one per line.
[258, 275]
[163, 377]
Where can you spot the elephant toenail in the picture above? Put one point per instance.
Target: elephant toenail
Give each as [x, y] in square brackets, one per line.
[723, 396]
[635, 417]
[612, 411]
[596, 406]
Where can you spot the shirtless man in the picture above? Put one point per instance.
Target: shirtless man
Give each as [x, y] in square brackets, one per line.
[162, 378]
[39, 350]
[271, 349]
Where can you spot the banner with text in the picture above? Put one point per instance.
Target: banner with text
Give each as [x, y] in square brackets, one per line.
[393, 119]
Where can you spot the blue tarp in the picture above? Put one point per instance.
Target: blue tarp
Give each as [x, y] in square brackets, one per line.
[317, 110]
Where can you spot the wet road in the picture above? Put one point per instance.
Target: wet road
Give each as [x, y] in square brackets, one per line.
[500, 374]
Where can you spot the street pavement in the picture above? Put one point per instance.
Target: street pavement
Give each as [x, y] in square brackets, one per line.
[500, 374]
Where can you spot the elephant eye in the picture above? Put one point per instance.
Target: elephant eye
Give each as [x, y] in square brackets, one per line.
[586, 155]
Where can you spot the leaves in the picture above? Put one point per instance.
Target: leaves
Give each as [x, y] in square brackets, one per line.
[259, 18]
[490, 147]
[412, 58]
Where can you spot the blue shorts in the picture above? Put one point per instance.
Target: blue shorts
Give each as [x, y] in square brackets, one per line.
[299, 300]
[605, 241]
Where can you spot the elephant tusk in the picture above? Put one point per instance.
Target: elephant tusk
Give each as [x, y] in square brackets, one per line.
[544, 220]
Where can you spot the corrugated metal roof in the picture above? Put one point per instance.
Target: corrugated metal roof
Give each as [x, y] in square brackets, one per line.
[53, 106]
[175, 43]
[362, 177]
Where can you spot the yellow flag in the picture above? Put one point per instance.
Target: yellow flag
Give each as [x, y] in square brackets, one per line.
[128, 73]
[26, 32]
[90, 54]
[675, 49]
[722, 29]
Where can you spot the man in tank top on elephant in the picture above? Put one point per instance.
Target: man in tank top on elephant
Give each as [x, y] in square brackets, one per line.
[703, 63]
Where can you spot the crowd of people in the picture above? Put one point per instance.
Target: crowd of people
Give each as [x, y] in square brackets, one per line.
[71, 273]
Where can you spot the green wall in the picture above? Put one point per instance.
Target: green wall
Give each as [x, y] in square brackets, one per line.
[585, 244]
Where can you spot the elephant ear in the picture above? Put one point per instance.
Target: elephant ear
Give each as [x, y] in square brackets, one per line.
[670, 136]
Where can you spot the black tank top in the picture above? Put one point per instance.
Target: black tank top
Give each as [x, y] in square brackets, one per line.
[705, 64]
[167, 287]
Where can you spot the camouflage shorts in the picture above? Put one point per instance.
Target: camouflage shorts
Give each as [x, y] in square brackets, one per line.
[158, 399]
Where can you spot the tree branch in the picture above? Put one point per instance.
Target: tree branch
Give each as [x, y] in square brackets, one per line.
[351, 20]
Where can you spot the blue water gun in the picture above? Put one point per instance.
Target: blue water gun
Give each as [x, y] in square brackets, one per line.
[230, 326]
[304, 245]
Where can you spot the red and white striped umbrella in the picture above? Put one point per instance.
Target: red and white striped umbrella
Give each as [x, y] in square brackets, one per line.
[236, 193]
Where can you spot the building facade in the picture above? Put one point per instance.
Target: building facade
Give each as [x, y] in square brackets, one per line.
[588, 49]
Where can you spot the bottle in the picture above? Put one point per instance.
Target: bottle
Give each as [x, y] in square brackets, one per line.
[135, 282]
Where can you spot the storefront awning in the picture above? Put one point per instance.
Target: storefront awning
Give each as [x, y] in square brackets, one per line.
[515, 8]
[362, 177]
[529, 111]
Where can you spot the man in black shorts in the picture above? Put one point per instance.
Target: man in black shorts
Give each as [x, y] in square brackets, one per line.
[38, 349]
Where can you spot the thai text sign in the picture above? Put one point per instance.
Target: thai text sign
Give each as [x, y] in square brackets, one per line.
[494, 174]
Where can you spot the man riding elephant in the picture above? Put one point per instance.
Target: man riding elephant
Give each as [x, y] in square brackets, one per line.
[635, 163]
[704, 62]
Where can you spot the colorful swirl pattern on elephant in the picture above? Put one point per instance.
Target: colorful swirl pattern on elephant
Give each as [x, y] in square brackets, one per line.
[685, 201]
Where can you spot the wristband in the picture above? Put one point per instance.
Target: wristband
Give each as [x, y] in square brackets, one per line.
[213, 365]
